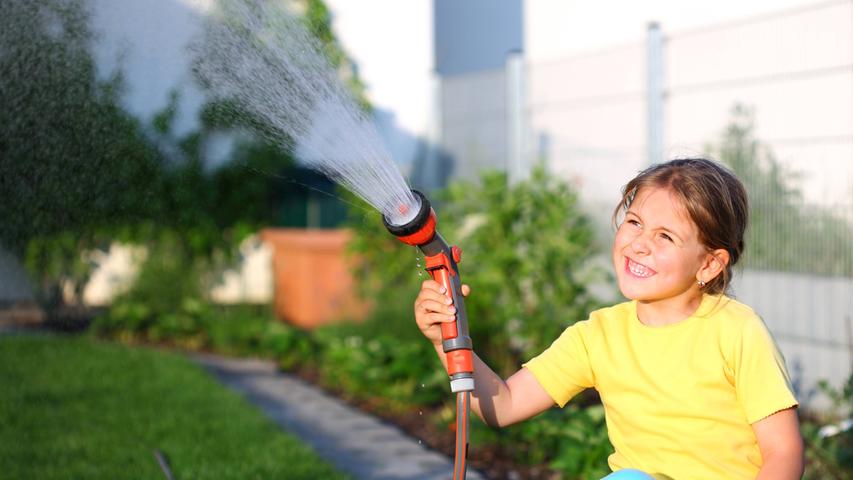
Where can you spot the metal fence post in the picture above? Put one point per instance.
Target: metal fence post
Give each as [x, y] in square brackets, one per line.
[655, 92]
[517, 165]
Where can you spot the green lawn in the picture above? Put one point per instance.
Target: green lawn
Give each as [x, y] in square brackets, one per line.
[79, 408]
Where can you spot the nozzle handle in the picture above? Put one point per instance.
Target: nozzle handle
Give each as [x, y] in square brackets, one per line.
[456, 342]
[452, 337]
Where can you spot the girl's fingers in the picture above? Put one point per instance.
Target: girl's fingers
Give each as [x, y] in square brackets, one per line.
[433, 286]
[429, 295]
[433, 306]
[439, 318]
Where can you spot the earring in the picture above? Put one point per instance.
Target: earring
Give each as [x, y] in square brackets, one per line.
[701, 283]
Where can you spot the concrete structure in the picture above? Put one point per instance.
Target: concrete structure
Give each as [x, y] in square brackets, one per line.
[251, 279]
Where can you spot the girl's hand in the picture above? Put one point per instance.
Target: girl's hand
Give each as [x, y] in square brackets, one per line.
[434, 307]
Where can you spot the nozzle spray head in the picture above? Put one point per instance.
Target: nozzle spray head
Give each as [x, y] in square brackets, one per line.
[420, 229]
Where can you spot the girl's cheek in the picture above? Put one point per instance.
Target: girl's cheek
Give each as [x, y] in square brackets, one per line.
[622, 240]
[665, 257]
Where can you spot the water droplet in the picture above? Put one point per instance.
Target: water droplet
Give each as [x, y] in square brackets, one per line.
[420, 442]
[423, 386]
[421, 412]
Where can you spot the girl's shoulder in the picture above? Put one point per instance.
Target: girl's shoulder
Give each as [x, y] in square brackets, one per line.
[720, 310]
[735, 323]
[618, 311]
[727, 311]
[614, 315]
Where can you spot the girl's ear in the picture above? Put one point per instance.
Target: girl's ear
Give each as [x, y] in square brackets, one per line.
[715, 262]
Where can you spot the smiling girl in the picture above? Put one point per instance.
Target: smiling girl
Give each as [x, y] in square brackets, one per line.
[692, 383]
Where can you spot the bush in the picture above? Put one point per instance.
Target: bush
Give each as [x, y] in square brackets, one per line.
[164, 301]
[572, 440]
[527, 250]
[402, 374]
[829, 445]
[527, 258]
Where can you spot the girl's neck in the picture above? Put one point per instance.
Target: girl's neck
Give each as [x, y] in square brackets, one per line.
[659, 313]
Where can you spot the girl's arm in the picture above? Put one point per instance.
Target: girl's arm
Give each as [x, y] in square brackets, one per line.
[497, 402]
[781, 446]
[500, 403]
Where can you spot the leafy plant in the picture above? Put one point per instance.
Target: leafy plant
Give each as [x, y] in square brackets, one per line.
[527, 250]
[829, 443]
[573, 441]
[401, 371]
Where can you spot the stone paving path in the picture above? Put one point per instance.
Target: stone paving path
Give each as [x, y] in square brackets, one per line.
[355, 442]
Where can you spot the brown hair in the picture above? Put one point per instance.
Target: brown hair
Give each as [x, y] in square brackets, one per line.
[714, 199]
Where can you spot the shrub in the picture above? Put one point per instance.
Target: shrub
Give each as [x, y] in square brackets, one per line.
[829, 445]
[164, 300]
[572, 440]
[527, 250]
[401, 371]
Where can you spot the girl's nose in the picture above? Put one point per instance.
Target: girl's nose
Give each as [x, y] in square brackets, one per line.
[640, 244]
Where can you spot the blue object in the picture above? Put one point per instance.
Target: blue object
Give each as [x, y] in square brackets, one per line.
[628, 474]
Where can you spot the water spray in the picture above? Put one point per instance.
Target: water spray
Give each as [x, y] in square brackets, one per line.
[441, 263]
[257, 55]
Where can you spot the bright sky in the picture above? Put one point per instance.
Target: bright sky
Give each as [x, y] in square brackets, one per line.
[391, 42]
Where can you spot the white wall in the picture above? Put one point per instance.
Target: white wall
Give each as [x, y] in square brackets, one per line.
[556, 29]
[811, 318]
[792, 66]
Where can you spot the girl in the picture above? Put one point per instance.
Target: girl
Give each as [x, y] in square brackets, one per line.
[692, 383]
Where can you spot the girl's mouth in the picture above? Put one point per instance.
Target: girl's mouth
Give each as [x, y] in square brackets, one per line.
[638, 270]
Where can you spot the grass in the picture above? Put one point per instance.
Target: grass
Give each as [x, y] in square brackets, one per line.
[79, 408]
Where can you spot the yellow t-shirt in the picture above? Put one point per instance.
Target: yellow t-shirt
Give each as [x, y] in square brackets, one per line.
[679, 399]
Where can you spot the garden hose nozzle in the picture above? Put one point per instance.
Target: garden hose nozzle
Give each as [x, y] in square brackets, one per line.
[441, 263]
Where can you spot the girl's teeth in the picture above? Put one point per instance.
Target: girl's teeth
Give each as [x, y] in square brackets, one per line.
[639, 270]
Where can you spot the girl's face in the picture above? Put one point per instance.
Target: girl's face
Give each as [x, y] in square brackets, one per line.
[656, 253]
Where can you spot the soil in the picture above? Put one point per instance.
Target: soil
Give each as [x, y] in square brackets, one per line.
[491, 460]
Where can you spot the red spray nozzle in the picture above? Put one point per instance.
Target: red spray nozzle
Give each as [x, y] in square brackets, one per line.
[421, 229]
[441, 260]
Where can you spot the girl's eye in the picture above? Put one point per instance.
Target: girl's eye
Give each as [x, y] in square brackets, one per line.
[665, 237]
[633, 222]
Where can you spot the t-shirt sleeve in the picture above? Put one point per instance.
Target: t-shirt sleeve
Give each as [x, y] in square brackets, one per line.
[564, 369]
[761, 378]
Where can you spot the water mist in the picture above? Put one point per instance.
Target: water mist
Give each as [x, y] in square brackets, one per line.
[258, 55]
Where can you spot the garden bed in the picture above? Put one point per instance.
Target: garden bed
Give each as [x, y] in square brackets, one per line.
[490, 459]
